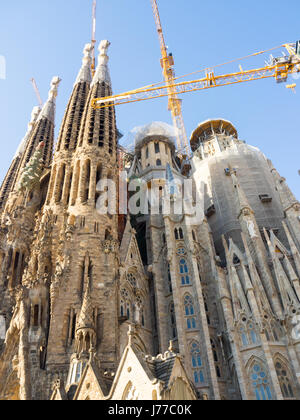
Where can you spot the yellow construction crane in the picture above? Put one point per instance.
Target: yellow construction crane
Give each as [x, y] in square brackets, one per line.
[279, 68]
[174, 104]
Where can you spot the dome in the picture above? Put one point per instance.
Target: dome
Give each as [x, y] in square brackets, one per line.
[209, 127]
[156, 130]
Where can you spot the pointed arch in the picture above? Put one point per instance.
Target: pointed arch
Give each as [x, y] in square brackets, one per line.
[259, 379]
[125, 303]
[196, 362]
[184, 272]
[217, 357]
[285, 376]
[189, 311]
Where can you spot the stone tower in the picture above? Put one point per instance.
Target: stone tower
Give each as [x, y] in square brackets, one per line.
[198, 297]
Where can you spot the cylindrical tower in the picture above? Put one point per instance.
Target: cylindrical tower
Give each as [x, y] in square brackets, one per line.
[218, 152]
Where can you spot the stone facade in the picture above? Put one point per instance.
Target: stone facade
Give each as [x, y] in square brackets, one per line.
[164, 306]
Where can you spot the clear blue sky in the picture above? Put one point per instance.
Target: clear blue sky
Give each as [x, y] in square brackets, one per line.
[43, 38]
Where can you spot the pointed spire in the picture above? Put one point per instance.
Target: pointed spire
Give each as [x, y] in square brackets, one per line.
[292, 275]
[102, 71]
[99, 128]
[287, 292]
[286, 196]
[85, 73]
[86, 316]
[129, 232]
[242, 201]
[48, 110]
[239, 300]
[248, 284]
[293, 247]
[10, 179]
[34, 116]
[259, 290]
[70, 127]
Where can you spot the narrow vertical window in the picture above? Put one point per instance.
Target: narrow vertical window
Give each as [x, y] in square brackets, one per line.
[184, 272]
[197, 365]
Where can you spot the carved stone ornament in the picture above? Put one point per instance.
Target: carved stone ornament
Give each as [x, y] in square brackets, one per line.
[109, 246]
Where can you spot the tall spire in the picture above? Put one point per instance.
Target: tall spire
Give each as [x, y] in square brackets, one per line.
[69, 132]
[34, 115]
[286, 196]
[9, 181]
[85, 324]
[102, 72]
[294, 250]
[99, 128]
[85, 74]
[48, 110]
[43, 130]
[287, 293]
[242, 201]
[86, 318]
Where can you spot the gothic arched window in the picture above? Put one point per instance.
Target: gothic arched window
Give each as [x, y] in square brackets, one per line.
[122, 308]
[125, 298]
[284, 380]
[252, 333]
[189, 312]
[197, 365]
[244, 337]
[184, 272]
[132, 279]
[260, 383]
[248, 334]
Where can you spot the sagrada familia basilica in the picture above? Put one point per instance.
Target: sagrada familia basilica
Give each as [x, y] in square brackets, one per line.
[148, 306]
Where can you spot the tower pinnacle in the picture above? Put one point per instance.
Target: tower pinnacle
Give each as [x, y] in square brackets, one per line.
[84, 74]
[34, 115]
[102, 72]
[48, 110]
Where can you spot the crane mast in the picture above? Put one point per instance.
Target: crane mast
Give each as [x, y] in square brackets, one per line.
[94, 36]
[37, 93]
[174, 103]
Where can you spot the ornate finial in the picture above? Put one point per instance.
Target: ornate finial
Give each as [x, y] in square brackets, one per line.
[87, 52]
[92, 352]
[54, 87]
[103, 48]
[102, 73]
[130, 334]
[171, 347]
[85, 74]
